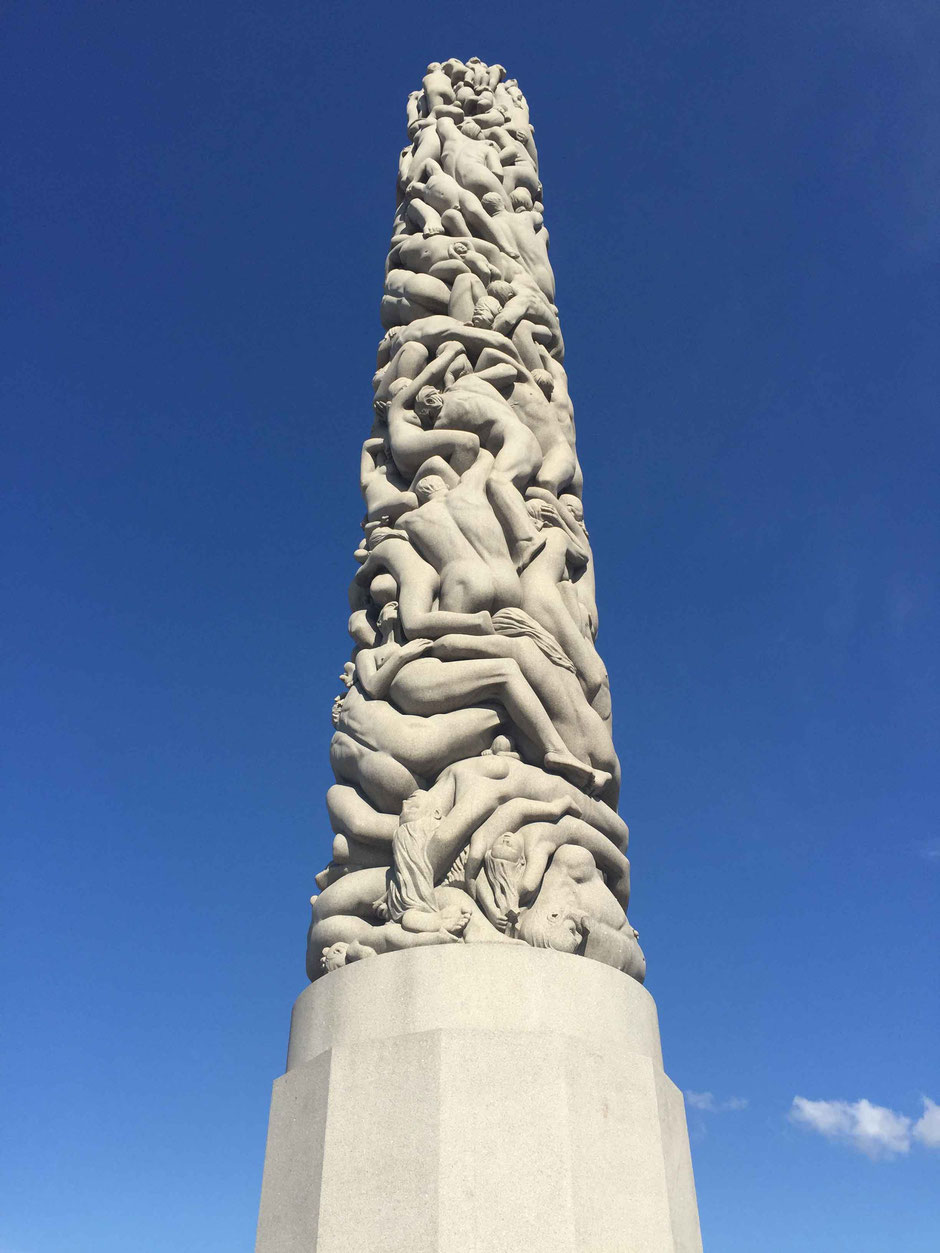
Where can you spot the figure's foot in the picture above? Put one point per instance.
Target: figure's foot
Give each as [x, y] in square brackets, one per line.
[432, 230]
[329, 875]
[380, 908]
[455, 915]
[598, 783]
[567, 765]
[545, 381]
[569, 805]
[527, 550]
[334, 957]
[356, 952]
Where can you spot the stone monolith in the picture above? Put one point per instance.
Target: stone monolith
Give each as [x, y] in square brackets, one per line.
[476, 1064]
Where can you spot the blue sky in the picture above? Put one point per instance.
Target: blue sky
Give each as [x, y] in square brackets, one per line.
[743, 207]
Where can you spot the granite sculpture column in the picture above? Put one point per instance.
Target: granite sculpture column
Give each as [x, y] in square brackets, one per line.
[476, 1064]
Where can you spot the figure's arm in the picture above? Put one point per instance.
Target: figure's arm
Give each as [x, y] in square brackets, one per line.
[576, 548]
[491, 357]
[433, 372]
[438, 466]
[376, 678]
[510, 816]
[368, 460]
[375, 563]
[420, 620]
[434, 623]
[499, 374]
[541, 841]
[475, 477]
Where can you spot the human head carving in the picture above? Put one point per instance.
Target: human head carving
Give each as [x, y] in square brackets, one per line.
[574, 504]
[485, 312]
[430, 486]
[545, 382]
[428, 403]
[500, 290]
[493, 203]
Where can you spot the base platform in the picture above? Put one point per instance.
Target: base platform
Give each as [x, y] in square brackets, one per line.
[477, 1099]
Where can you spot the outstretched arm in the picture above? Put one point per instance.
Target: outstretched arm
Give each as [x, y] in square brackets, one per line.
[511, 816]
[541, 840]
[375, 678]
[433, 372]
[439, 467]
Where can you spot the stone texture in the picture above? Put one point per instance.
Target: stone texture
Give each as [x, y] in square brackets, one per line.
[503, 1098]
[459, 1077]
[474, 667]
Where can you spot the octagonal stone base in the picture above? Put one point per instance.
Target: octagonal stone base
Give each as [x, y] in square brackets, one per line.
[476, 1099]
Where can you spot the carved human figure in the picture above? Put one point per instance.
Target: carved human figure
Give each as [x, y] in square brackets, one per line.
[439, 91]
[417, 590]
[437, 201]
[472, 403]
[476, 779]
[575, 911]
[346, 926]
[423, 745]
[440, 256]
[472, 162]
[530, 393]
[457, 530]
[382, 488]
[429, 677]
[432, 332]
[530, 239]
[411, 445]
[582, 729]
[565, 550]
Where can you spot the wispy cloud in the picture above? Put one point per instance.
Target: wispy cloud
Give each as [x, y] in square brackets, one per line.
[874, 1130]
[930, 851]
[707, 1102]
[927, 1128]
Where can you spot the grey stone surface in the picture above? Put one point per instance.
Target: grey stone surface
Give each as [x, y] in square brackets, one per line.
[476, 777]
[458, 1077]
[477, 1099]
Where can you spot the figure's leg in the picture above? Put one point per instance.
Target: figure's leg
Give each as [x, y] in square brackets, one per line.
[427, 745]
[423, 218]
[353, 816]
[509, 506]
[558, 469]
[384, 780]
[496, 676]
[428, 291]
[354, 894]
[411, 446]
[467, 290]
[523, 337]
[453, 222]
[408, 362]
[355, 855]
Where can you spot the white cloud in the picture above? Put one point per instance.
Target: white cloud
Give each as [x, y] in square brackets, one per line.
[872, 1129]
[927, 1127]
[930, 851]
[706, 1101]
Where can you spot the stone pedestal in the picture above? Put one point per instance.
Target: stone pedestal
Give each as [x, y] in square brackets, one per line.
[476, 1099]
